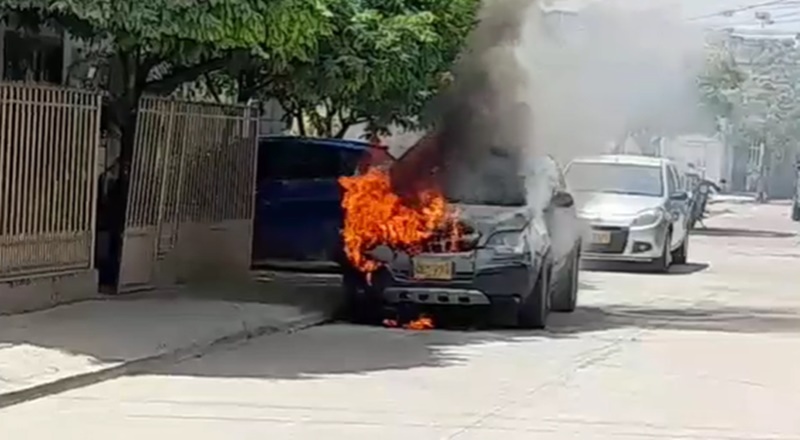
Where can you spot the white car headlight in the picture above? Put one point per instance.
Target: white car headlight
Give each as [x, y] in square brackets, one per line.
[648, 218]
[507, 242]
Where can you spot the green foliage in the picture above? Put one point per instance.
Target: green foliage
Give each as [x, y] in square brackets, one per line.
[186, 33]
[381, 63]
[720, 82]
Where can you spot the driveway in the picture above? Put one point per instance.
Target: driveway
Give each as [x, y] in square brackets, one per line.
[709, 351]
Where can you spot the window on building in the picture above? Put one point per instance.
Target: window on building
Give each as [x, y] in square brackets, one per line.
[32, 58]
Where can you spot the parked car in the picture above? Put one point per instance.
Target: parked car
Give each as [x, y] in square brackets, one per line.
[505, 262]
[795, 214]
[636, 207]
[298, 214]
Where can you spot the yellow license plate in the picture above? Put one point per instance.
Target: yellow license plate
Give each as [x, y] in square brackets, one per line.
[601, 237]
[433, 270]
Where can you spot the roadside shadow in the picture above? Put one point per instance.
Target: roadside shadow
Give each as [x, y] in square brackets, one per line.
[337, 349]
[739, 233]
[135, 326]
[675, 269]
[344, 349]
[714, 318]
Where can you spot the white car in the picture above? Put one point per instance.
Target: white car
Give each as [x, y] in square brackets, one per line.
[636, 208]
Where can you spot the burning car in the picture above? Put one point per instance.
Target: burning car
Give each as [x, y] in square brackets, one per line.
[431, 249]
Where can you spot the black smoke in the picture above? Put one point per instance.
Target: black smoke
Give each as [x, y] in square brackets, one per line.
[484, 118]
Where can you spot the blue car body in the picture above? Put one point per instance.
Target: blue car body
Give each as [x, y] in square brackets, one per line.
[298, 213]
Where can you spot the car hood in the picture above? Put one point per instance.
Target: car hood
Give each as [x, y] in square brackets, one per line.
[596, 204]
[485, 218]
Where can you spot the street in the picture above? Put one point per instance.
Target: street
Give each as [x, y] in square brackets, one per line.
[708, 351]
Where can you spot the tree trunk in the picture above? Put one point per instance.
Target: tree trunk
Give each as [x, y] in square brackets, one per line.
[125, 108]
[301, 124]
[342, 130]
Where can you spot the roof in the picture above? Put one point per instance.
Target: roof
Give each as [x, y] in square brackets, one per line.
[625, 159]
[330, 142]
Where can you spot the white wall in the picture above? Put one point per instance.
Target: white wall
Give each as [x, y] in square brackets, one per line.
[707, 154]
[271, 121]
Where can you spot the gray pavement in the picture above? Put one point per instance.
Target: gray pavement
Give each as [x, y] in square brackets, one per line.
[48, 351]
[709, 351]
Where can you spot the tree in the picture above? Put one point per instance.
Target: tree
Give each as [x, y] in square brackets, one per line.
[380, 65]
[720, 82]
[161, 44]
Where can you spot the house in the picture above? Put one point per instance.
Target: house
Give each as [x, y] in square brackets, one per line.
[43, 56]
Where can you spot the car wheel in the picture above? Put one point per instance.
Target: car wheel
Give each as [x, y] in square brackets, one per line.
[535, 307]
[565, 299]
[680, 255]
[662, 263]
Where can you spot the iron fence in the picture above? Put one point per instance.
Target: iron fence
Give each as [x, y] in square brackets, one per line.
[48, 145]
[193, 164]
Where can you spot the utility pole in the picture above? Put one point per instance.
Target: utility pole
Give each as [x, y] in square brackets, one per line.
[761, 183]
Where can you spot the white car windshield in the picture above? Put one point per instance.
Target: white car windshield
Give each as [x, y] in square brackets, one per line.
[615, 178]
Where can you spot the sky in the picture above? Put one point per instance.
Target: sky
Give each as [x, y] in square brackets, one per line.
[784, 14]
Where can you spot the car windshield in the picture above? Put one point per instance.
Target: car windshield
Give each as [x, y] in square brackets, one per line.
[506, 191]
[642, 180]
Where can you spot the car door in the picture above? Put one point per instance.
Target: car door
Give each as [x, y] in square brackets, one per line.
[677, 208]
[298, 215]
[562, 222]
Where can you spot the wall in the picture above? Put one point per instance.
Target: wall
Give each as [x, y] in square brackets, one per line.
[707, 154]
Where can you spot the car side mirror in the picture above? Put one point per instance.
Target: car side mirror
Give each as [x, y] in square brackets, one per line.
[680, 196]
[562, 199]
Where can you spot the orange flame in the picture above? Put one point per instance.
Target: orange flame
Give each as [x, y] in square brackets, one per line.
[375, 215]
[424, 322]
[421, 323]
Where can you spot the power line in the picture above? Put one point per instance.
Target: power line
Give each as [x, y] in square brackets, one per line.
[729, 12]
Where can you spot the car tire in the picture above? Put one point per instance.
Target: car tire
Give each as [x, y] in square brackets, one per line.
[361, 301]
[662, 263]
[533, 310]
[565, 299]
[680, 255]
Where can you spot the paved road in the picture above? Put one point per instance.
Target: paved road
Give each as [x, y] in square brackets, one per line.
[709, 351]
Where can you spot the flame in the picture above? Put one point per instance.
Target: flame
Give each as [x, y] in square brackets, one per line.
[424, 322]
[421, 323]
[375, 215]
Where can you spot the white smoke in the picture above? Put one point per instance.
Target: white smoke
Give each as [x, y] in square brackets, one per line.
[610, 68]
[534, 83]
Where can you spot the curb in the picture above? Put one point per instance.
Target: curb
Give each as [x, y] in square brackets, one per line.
[146, 363]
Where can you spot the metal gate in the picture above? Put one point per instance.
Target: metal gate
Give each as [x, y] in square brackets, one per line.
[48, 145]
[192, 188]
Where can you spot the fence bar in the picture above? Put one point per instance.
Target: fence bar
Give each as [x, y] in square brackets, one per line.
[48, 142]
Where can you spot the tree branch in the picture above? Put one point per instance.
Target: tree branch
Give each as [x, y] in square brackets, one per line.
[184, 74]
[251, 89]
[212, 88]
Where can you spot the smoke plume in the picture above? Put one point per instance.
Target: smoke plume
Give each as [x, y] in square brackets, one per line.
[533, 83]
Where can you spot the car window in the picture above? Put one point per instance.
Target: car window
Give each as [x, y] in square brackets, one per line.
[350, 160]
[298, 160]
[672, 181]
[616, 178]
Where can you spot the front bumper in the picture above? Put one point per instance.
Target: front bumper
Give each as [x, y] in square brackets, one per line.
[627, 244]
[499, 283]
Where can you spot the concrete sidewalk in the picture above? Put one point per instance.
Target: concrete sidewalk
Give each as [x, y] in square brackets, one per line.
[74, 345]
